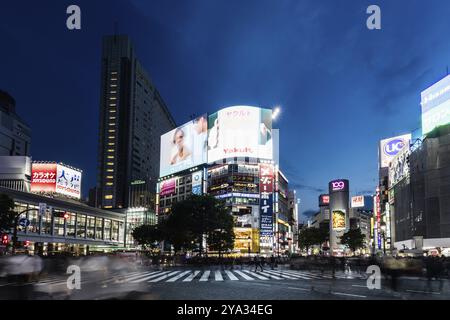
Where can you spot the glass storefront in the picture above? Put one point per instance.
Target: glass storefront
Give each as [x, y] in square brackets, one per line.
[81, 225]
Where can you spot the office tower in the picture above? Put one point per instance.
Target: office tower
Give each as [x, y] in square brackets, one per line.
[133, 117]
[15, 135]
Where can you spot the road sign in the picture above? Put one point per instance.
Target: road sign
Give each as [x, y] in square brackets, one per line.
[42, 208]
[24, 222]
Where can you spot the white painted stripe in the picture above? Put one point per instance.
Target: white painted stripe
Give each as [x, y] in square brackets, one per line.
[271, 276]
[418, 291]
[256, 275]
[348, 294]
[140, 275]
[205, 276]
[359, 286]
[218, 276]
[231, 275]
[192, 276]
[164, 276]
[298, 275]
[178, 276]
[150, 277]
[121, 277]
[243, 275]
[313, 275]
[281, 275]
[295, 288]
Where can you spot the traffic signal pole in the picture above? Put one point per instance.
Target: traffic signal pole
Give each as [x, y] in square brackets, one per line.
[16, 222]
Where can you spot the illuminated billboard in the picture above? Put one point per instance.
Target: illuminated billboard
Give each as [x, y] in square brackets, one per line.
[358, 202]
[240, 131]
[43, 177]
[435, 102]
[197, 182]
[68, 181]
[399, 167]
[338, 220]
[266, 204]
[55, 178]
[184, 147]
[389, 148]
[167, 187]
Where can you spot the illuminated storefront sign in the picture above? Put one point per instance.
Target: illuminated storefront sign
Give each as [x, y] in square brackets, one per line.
[266, 204]
[435, 102]
[357, 201]
[197, 178]
[56, 178]
[338, 185]
[389, 148]
[239, 195]
[378, 216]
[167, 187]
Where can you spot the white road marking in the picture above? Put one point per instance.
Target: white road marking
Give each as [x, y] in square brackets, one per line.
[348, 294]
[218, 276]
[243, 275]
[164, 276]
[178, 276]
[231, 275]
[205, 276]
[256, 275]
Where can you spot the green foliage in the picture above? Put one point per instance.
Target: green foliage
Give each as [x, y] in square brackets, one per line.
[148, 235]
[354, 239]
[312, 236]
[7, 215]
[198, 218]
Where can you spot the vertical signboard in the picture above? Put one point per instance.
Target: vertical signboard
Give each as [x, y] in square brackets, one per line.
[378, 217]
[68, 181]
[167, 187]
[266, 204]
[197, 182]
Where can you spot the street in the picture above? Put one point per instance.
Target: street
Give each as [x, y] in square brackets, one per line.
[216, 283]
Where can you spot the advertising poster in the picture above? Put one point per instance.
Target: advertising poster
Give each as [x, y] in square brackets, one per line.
[240, 131]
[358, 202]
[266, 203]
[197, 178]
[389, 148]
[338, 219]
[435, 103]
[167, 187]
[68, 181]
[43, 177]
[184, 147]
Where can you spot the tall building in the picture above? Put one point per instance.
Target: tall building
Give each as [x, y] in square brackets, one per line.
[133, 117]
[15, 135]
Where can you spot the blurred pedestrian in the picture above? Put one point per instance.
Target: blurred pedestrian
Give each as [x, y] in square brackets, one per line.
[257, 262]
[272, 262]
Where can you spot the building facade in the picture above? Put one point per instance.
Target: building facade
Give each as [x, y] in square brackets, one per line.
[133, 116]
[15, 134]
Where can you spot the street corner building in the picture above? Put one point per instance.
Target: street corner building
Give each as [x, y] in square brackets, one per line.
[233, 154]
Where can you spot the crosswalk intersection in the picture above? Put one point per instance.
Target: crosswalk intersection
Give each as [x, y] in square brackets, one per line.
[218, 275]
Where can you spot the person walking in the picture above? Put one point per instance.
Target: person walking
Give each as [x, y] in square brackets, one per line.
[272, 262]
[257, 262]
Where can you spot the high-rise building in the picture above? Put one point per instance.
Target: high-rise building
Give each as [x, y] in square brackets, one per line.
[133, 117]
[15, 135]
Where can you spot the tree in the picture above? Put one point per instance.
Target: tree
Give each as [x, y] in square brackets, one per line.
[198, 219]
[148, 235]
[7, 213]
[353, 238]
[307, 238]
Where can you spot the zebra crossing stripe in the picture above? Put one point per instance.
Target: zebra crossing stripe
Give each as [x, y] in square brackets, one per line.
[256, 275]
[300, 275]
[192, 276]
[178, 276]
[269, 275]
[140, 276]
[157, 274]
[243, 275]
[205, 276]
[218, 276]
[280, 274]
[164, 276]
[121, 277]
[231, 275]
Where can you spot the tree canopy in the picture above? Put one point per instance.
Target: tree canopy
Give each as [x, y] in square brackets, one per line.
[353, 238]
[7, 214]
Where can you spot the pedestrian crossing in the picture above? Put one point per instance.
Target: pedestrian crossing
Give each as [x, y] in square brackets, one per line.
[171, 276]
[226, 275]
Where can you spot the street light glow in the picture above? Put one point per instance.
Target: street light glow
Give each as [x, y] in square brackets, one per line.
[275, 113]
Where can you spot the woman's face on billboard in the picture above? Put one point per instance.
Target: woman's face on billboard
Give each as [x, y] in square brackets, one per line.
[179, 137]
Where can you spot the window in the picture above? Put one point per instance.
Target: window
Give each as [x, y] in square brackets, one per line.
[111, 124]
[111, 144]
[81, 226]
[110, 163]
[112, 98]
[109, 183]
[58, 224]
[70, 225]
[109, 177]
[111, 137]
[109, 170]
[110, 150]
[112, 110]
[46, 223]
[113, 85]
[90, 227]
[107, 230]
[108, 197]
[98, 228]
[33, 216]
[115, 231]
[110, 157]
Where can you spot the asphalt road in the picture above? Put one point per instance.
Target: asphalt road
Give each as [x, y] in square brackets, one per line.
[215, 283]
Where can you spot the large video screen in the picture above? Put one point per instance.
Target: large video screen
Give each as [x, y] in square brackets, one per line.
[435, 102]
[240, 131]
[184, 147]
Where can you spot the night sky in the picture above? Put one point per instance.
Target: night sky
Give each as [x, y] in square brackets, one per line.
[341, 87]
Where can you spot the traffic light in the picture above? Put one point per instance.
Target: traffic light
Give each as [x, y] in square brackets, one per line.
[5, 239]
[26, 243]
[62, 214]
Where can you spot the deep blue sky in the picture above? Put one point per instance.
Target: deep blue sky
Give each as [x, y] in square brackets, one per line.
[341, 87]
